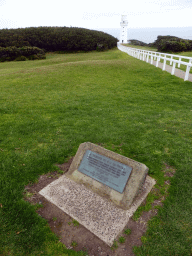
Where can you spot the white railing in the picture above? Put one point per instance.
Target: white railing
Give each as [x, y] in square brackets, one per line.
[146, 55]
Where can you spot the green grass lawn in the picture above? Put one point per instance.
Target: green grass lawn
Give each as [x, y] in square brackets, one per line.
[49, 107]
[147, 48]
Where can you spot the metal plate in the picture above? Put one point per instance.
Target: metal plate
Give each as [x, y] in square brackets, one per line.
[105, 170]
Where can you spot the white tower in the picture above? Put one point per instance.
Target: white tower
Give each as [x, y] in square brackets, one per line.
[123, 31]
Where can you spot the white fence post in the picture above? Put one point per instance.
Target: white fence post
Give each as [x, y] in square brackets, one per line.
[158, 58]
[164, 63]
[173, 68]
[151, 58]
[187, 73]
[171, 60]
[147, 56]
[179, 62]
[138, 55]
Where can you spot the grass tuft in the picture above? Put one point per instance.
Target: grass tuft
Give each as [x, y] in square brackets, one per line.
[121, 239]
[127, 231]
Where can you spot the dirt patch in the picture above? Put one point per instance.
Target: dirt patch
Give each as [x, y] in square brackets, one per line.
[74, 235]
[169, 170]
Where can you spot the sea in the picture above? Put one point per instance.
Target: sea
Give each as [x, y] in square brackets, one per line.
[149, 35]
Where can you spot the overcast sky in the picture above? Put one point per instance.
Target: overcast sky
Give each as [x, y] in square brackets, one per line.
[95, 14]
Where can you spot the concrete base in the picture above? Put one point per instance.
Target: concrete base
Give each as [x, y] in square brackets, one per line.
[94, 212]
[132, 188]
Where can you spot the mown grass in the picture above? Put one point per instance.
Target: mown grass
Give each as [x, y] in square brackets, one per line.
[147, 48]
[49, 107]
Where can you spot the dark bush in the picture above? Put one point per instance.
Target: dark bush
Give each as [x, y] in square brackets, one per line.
[137, 42]
[174, 46]
[13, 53]
[161, 39]
[32, 57]
[27, 51]
[101, 47]
[41, 56]
[21, 58]
[56, 39]
[2, 59]
[37, 57]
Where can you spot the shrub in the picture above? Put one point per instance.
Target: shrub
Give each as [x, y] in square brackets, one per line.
[21, 58]
[41, 56]
[2, 59]
[161, 39]
[101, 47]
[37, 57]
[33, 57]
[20, 54]
[137, 42]
[56, 39]
[174, 46]
[27, 51]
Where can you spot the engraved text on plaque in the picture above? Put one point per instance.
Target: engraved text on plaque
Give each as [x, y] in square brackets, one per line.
[105, 170]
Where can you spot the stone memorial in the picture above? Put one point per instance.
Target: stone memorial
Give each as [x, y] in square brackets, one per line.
[101, 190]
[113, 176]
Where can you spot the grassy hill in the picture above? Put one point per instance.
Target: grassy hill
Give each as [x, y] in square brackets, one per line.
[48, 107]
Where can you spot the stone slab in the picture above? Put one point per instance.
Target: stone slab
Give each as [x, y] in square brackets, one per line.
[133, 184]
[96, 213]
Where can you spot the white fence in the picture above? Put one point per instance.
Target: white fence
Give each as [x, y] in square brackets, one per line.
[146, 55]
